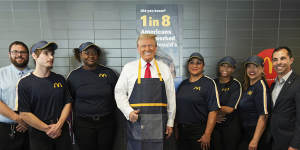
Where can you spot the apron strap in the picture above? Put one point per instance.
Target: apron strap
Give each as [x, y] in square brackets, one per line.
[139, 72]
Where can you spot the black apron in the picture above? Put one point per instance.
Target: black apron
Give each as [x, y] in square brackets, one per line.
[149, 96]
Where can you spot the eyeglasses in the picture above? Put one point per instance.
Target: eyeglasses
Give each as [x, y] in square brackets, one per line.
[15, 52]
[195, 62]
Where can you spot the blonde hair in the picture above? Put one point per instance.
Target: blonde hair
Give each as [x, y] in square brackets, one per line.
[146, 36]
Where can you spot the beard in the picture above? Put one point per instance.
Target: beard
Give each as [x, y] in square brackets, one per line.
[19, 65]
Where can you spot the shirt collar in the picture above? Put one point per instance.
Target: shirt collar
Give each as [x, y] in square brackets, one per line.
[144, 63]
[284, 78]
[19, 72]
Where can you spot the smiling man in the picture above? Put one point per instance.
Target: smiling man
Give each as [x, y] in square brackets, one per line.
[285, 121]
[145, 94]
[13, 129]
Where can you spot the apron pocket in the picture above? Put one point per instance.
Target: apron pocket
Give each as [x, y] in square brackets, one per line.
[148, 127]
[152, 126]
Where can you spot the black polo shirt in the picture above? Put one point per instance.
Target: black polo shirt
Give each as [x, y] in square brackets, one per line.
[195, 100]
[230, 92]
[255, 101]
[93, 91]
[44, 97]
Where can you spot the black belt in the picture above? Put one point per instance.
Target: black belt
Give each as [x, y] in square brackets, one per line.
[187, 125]
[7, 124]
[52, 121]
[96, 117]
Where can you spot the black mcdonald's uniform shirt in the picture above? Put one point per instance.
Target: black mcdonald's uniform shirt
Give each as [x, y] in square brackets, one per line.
[194, 100]
[230, 94]
[255, 101]
[93, 91]
[44, 97]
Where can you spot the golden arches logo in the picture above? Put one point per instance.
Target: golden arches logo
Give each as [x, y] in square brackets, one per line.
[270, 64]
[57, 85]
[250, 92]
[102, 75]
[225, 89]
[197, 88]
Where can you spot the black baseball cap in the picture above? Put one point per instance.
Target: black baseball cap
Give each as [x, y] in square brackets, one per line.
[86, 45]
[227, 60]
[196, 55]
[254, 60]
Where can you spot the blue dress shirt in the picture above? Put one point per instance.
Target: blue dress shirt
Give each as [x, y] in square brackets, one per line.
[9, 77]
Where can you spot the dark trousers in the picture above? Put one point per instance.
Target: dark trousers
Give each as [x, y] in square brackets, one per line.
[41, 141]
[227, 136]
[12, 141]
[247, 135]
[188, 136]
[93, 134]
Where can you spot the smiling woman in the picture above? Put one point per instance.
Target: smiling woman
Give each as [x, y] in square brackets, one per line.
[197, 102]
[227, 131]
[254, 107]
[92, 88]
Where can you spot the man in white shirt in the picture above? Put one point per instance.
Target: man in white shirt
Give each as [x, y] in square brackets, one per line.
[285, 120]
[13, 130]
[145, 94]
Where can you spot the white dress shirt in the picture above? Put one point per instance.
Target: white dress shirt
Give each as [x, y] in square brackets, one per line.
[128, 78]
[278, 86]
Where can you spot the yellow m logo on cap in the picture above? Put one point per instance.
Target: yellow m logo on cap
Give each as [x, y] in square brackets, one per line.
[57, 85]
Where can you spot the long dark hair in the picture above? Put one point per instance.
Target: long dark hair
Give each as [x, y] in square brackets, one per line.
[246, 83]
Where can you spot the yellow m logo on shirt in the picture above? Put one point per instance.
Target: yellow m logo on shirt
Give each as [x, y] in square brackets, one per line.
[225, 89]
[102, 75]
[197, 88]
[250, 92]
[57, 85]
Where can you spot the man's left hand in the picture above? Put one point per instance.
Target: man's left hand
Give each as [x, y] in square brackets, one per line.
[21, 128]
[169, 131]
[54, 131]
[205, 142]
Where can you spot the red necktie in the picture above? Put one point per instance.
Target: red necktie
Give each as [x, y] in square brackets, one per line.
[147, 71]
